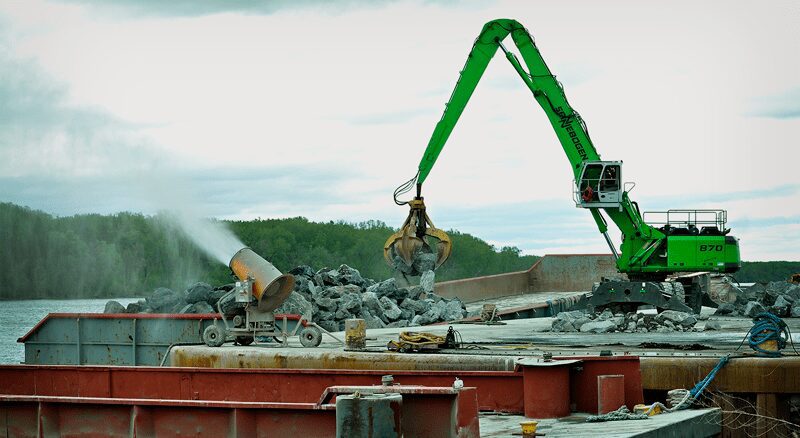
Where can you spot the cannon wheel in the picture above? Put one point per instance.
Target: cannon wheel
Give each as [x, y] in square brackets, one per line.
[310, 336]
[213, 336]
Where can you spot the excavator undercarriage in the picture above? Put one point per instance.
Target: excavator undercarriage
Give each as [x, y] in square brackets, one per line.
[684, 293]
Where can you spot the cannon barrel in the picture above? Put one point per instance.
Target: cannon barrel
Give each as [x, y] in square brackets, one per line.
[270, 287]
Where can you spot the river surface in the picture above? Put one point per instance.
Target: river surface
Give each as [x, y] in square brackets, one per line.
[18, 317]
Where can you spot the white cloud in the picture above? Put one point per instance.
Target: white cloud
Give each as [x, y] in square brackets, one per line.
[668, 88]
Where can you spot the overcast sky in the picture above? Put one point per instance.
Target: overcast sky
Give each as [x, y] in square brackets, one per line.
[240, 109]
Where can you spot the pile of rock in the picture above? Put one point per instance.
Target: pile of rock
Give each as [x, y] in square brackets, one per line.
[339, 294]
[608, 322]
[330, 296]
[778, 297]
[423, 260]
[198, 298]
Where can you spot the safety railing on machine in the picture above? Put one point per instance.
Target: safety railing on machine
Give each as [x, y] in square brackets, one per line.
[689, 219]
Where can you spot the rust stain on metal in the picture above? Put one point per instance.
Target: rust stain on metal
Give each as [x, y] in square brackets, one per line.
[271, 287]
[355, 334]
[749, 374]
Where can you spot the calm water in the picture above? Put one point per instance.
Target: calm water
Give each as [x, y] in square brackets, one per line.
[18, 317]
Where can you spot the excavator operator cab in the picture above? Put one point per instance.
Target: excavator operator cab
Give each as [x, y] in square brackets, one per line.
[600, 185]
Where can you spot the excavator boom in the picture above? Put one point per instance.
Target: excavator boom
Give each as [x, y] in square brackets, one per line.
[547, 91]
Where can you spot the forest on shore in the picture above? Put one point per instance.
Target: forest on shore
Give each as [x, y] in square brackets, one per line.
[130, 254]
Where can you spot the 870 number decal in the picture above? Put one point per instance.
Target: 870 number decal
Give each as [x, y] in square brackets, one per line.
[710, 247]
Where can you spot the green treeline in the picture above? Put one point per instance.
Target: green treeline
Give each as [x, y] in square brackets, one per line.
[129, 254]
[762, 272]
[91, 256]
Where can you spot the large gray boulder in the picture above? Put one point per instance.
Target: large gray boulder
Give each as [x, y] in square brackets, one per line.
[406, 314]
[747, 294]
[562, 325]
[426, 281]
[331, 326]
[327, 277]
[400, 265]
[323, 315]
[302, 270]
[351, 302]
[370, 301]
[137, 307]
[303, 285]
[599, 326]
[347, 275]
[782, 306]
[400, 294]
[432, 315]
[164, 300]
[441, 306]
[416, 306]
[424, 262]
[453, 311]
[398, 323]
[390, 310]
[295, 304]
[574, 318]
[415, 292]
[794, 292]
[340, 291]
[777, 287]
[328, 304]
[579, 322]
[725, 309]
[384, 288]
[433, 297]
[371, 320]
[683, 319]
[198, 292]
[753, 308]
[114, 307]
[606, 314]
[342, 314]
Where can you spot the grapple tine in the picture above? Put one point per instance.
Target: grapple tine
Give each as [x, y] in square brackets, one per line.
[416, 236]
[443, 247]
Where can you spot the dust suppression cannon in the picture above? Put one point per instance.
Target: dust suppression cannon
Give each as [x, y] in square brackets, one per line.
[248, 309]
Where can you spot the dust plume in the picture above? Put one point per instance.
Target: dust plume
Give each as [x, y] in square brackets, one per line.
[211, 236]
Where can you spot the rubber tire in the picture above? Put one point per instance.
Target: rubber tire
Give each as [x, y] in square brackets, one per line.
[213, 336]
[310, 337]
[244, 340]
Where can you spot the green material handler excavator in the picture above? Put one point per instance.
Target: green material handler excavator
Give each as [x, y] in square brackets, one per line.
[663, 258]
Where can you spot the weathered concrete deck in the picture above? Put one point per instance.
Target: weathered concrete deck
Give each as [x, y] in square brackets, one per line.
[688, 423]
[516, 338]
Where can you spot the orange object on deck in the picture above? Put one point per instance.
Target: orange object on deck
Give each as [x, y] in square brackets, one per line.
[271, 287]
